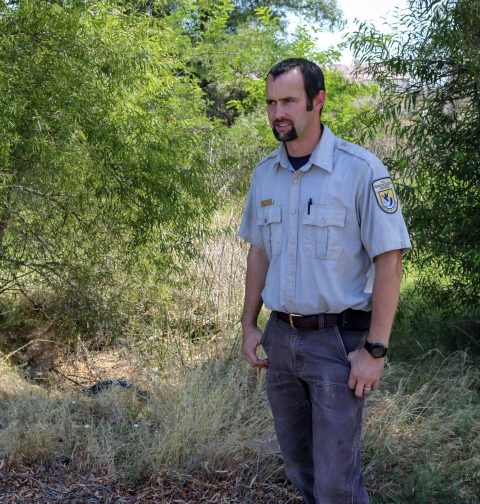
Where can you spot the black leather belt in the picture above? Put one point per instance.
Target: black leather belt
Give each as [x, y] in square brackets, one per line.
[354, 320]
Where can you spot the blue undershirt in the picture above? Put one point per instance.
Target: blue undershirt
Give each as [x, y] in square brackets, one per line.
[298, 162]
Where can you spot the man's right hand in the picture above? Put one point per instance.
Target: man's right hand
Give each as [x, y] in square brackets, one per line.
[257, 268]
[250, 341]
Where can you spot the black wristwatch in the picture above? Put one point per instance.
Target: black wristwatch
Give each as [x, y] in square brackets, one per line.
[376, 350]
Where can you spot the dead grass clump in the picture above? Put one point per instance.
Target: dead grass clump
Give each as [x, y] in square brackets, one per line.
[204, 422]
[422, 433]
[32, 419]
[197, 422]
[210, 421]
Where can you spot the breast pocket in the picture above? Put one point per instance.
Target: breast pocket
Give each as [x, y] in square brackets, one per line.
[323, 231]
[270, 219]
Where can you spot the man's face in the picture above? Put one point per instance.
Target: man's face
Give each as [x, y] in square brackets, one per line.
[287, 107]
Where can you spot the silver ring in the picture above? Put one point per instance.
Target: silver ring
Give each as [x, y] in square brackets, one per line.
[367, 388]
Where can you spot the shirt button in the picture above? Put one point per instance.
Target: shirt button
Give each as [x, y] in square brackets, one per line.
[265, 221]
[292, 241]
[294, 211]
[290, 271]
[289, 301]
[295, 181]
[321, 222]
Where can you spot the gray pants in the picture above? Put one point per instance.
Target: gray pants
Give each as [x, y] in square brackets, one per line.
[318, 419]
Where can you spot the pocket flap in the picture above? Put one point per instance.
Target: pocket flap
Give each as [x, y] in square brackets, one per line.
[269, 214]
[325, 215]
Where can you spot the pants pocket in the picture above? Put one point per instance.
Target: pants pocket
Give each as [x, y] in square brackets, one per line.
[265, 330]
[348, 341]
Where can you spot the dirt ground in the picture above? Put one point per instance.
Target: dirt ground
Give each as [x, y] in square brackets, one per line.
[57, 482]
[48, 485]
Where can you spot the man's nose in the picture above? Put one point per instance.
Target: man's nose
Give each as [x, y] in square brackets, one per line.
[279, 111]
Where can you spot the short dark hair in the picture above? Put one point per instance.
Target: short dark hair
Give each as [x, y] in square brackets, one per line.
[313, 79]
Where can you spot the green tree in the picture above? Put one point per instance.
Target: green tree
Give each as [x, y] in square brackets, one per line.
[323, 13]
[242, 90]
[121, 131]
[100, 150]
[428, 70]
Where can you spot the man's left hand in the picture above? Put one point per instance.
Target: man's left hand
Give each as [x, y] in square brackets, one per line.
[365, 373]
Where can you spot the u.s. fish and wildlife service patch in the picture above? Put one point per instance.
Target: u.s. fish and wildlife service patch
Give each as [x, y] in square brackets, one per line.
[385, 194]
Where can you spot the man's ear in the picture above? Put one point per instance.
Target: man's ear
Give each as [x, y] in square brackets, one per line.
[319, 101]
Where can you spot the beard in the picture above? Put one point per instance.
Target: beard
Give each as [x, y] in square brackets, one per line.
[288, 136]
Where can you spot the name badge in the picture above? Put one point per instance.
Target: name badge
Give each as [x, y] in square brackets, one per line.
[267, 202]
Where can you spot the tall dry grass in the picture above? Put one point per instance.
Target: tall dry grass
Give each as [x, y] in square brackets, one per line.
[421, 438]
[206, 413]
[422, 433]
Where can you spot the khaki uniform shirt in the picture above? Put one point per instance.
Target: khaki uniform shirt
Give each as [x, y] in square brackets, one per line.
[321, 254]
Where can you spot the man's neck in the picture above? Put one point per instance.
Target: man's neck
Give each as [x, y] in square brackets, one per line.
[306, 146]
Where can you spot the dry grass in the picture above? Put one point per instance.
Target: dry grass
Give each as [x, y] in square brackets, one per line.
[197, 422]
[421, 441]
[205, 417]
[422, 434]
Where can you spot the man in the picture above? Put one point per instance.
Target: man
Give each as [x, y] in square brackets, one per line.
[323, 221]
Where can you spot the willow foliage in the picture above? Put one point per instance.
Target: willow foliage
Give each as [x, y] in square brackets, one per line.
[100, 151]
[122, 129]
[429, 72]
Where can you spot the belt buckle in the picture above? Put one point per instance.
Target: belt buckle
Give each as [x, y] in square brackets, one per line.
[290, 318]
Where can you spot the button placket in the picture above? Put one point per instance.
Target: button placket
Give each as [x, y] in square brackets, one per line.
[292, 240]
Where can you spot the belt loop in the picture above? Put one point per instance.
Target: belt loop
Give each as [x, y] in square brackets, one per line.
[321, 321]
[274, 314]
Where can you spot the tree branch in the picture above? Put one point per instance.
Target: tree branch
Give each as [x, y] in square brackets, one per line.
[33, 191]
[34, 303]
[30, 264]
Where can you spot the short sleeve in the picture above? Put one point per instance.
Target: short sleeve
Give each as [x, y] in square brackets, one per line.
[249, 230]
[380, 215]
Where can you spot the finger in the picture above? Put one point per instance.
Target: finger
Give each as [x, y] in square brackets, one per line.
[259, 363]
[262, 363]
[352, 382]
[367, 389]
[253, 360]
[359, 390]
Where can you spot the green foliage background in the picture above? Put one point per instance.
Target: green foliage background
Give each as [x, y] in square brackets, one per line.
[129, 132]
[428, 71]
[124, 127]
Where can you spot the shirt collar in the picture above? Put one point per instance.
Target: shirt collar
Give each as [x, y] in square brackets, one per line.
[322, 156]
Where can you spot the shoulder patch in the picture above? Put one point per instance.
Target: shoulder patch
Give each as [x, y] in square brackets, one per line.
[385, 194]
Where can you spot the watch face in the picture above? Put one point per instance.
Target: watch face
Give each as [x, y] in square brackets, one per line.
[378, 351]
